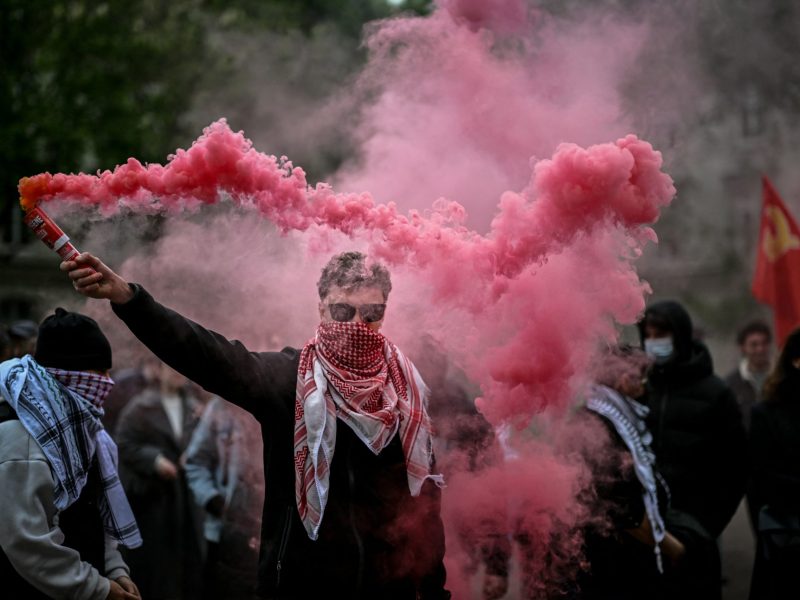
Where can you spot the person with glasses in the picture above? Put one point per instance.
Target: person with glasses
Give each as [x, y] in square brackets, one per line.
[352, 506]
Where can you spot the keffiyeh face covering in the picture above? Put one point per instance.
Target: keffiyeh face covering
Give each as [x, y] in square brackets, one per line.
[351, 373]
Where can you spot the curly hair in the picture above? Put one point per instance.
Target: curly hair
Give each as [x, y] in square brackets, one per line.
[350, 271]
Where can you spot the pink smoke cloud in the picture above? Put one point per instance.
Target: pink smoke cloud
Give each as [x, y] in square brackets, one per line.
[502, 83]
[574, 196]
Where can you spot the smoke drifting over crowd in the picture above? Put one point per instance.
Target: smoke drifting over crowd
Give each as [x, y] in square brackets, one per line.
[521, 267]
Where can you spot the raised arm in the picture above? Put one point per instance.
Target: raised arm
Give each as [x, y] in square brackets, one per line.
[221, 366]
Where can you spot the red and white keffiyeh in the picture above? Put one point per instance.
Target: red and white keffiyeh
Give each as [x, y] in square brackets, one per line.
[354, 373]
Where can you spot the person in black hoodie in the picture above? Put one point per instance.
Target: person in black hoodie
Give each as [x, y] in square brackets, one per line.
[363, 522]
[775, 478]
[699, 442]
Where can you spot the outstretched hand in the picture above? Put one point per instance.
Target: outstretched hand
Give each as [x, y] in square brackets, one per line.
[91, 277]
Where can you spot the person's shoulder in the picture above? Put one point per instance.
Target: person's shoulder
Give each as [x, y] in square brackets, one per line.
[768, 418]
[734, 377]
[17, 444]
[719, 394]
[713, 386]
[286, 357]
[779, 410]
[290, 353]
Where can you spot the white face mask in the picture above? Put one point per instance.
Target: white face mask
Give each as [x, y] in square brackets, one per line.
[660, 349]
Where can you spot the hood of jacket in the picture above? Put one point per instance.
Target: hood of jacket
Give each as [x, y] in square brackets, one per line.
[691, 360]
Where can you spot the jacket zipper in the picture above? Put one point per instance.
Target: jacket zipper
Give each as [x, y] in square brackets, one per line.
[287, 527]
[351, 476]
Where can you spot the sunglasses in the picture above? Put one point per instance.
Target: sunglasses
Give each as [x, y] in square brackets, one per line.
[370, 313]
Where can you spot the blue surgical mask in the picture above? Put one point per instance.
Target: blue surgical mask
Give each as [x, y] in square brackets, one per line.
[660, 349]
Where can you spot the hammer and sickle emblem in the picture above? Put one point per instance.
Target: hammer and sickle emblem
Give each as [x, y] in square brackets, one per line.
[778, 239]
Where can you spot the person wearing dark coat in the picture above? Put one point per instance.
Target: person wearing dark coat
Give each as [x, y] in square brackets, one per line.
[226, 476]
[128, 383]
[775, 478]
[153, 431]
[747, 380]
[352, 505]
[700, 442]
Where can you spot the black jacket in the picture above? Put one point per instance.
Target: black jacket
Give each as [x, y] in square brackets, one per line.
[376, 540]
[698, 436]
[775, 482]
[168, 565]
[775, 455]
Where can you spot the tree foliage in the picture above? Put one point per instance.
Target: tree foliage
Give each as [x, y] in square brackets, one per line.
[88, 83]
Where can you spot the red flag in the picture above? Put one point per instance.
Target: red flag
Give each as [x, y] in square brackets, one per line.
[777, 278]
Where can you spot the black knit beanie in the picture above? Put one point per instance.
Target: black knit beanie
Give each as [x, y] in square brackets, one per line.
[72, 342]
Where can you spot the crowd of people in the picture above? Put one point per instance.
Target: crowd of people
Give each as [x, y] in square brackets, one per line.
[208, 470]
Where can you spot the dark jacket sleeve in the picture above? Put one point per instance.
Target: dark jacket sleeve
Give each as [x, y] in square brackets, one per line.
[773, 481]
[223, 367]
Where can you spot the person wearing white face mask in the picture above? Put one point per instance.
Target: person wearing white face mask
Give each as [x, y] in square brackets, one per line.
[700, 443]
[659, 349]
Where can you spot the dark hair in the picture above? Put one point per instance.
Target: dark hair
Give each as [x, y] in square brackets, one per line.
[752, 327]
[659, 321]
[616, 361]
[350, 271]
[784, 376]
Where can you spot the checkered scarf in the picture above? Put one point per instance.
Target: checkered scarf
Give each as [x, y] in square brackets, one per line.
[67, 427]
[89, 386]
[628, 419]
[354, 373]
